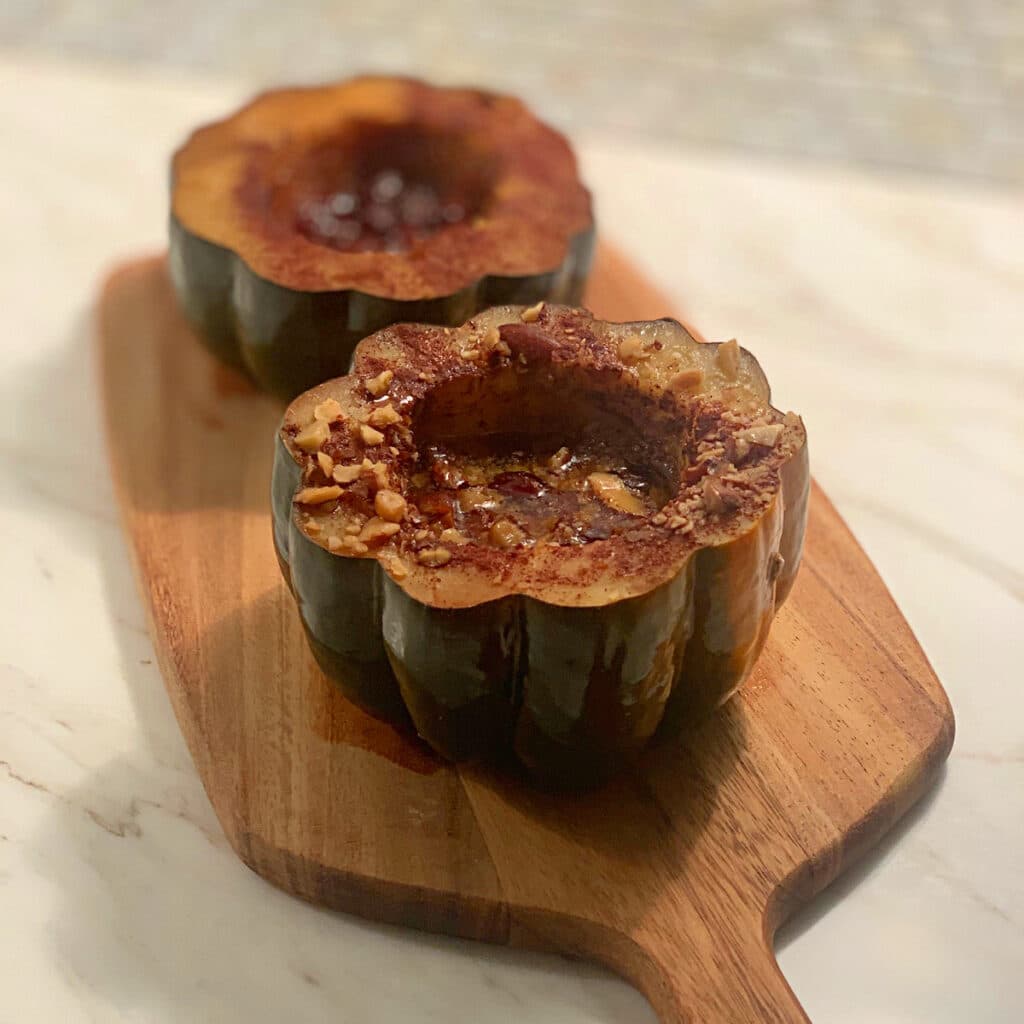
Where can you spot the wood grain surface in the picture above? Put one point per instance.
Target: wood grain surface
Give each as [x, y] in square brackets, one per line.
[676, 876]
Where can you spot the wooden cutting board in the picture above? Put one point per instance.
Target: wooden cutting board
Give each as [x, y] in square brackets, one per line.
[676, 877]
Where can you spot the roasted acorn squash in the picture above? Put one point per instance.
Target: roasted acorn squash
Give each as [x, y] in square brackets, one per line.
[313, 217]
[540, 534]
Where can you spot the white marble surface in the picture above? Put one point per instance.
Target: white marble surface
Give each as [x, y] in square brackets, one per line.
[889, 312]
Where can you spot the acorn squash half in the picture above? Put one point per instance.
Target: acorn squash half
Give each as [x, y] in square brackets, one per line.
[540, 536]
[313, 217]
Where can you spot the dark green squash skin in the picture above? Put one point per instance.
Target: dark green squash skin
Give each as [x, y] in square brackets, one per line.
[733, 607]
[597, 681]
[572, 693]
[458, 671]
[202, 274]
[289, 340]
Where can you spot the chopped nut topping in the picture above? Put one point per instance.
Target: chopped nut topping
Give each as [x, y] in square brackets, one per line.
[377, 471]
[370, 436]
[612, 491]
[766, 436]
[505, 534]
[390, 505]
[686, 380]
[680, 524]
[317, 495]
[377, 530]
[385, 416]
[326, 463]
[328, 411]
[310, 438]
[714, 452]
[434, 556]
[492, 342]
[398, 568]
[728, 358]
[791, 419]
[346, 474]
[712, 494]
[333, 543]
[378, 385]
[531, 313]
[476, 497]
[353, 546]
[632, 348]
[353, 528]
[560, 458]
[468, 494]
[312, 526]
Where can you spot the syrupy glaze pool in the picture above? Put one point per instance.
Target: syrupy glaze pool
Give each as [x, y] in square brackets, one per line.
[373, 187]
[513, 490]
[386, 213]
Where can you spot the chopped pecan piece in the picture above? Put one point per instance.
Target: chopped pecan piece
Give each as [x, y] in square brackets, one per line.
[317, 495]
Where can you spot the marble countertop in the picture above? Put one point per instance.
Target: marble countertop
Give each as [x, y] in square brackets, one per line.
[889, 312]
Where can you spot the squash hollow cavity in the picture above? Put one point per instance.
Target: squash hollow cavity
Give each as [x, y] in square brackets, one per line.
[535, 454]
[371, 187]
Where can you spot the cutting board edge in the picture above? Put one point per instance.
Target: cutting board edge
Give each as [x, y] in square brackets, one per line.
[501, 923]
[831, 862]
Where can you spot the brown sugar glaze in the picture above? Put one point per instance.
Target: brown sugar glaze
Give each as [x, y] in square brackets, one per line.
[516, 489]
[376, 187]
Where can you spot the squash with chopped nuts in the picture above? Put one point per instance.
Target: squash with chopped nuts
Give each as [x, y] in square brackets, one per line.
[542, 537]
[313, 217]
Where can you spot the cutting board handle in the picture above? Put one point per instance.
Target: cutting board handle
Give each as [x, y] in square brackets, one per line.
[705, 982]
